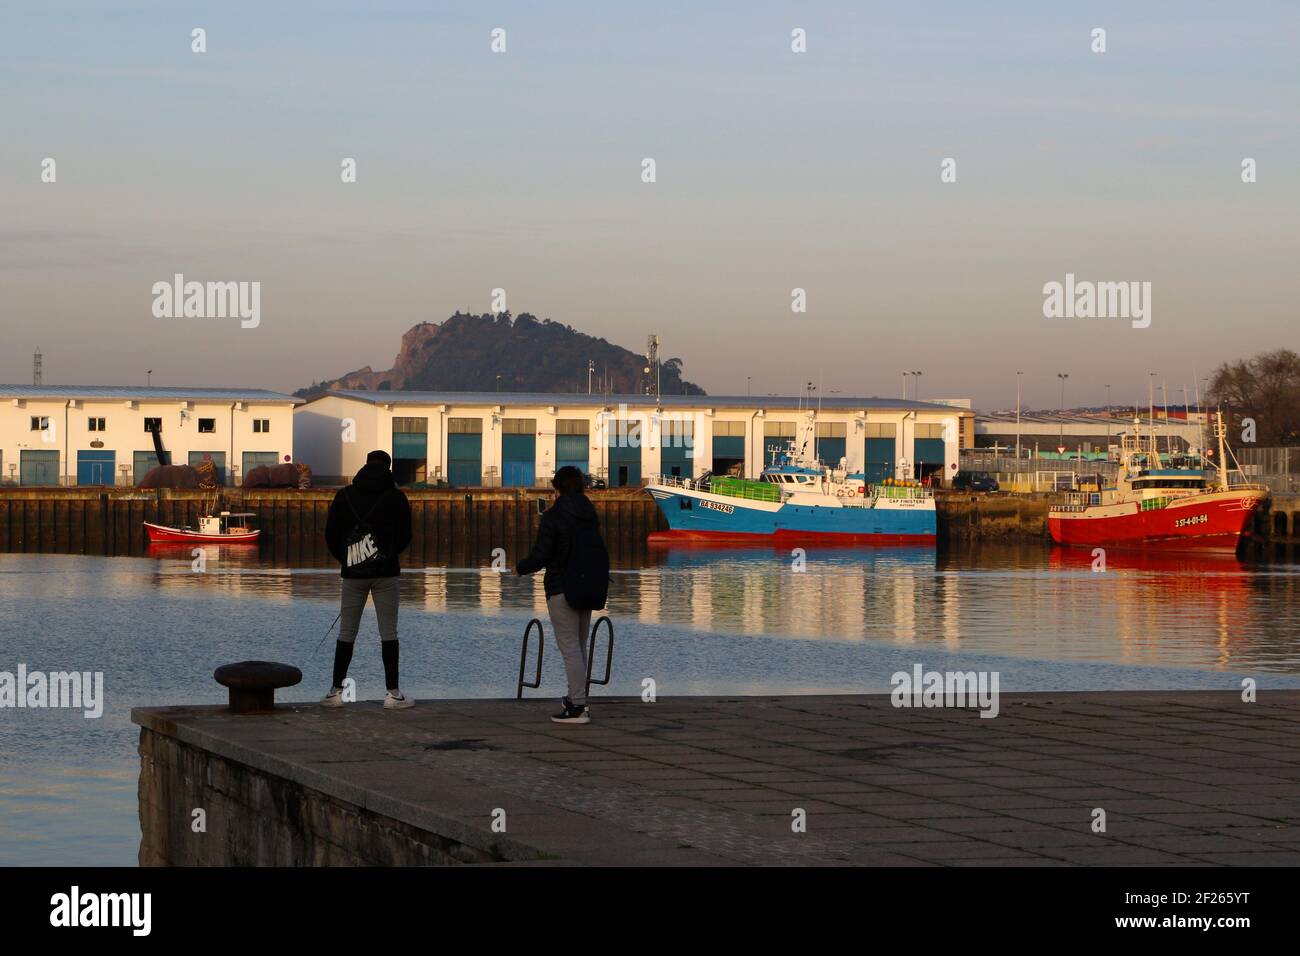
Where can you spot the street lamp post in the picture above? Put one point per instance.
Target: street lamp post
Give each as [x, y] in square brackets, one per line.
[1151, 404]
[1062, 376]
[1018, 374]
[916, 388]
[1107, 421]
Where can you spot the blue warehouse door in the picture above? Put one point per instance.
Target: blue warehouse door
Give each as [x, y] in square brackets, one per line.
[38, 467]
[624, 453]
[142, 462]
[928, 457]
[519, 460]
[410, 457]
[728, 454]
[465, 459]
[572, 450]
[830, 451]
[96, 467]
[879, 459]
[255, 459]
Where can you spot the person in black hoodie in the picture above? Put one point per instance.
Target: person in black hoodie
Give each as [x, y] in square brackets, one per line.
[368, 526]
[555, 538]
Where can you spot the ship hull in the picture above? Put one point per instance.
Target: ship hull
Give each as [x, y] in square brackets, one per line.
[1212, 522]
[160, 533]
[704, 517]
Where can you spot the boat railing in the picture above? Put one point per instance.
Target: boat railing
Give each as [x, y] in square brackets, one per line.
[678, 481]
[900, 491]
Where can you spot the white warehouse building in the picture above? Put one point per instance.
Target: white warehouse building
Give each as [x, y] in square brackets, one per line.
[478, 439]
[103, 435]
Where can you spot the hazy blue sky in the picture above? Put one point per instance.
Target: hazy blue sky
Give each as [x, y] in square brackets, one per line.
[775, 170]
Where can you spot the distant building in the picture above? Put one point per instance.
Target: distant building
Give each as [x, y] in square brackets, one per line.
[1044, 432]
[467, 439]
[102, 435]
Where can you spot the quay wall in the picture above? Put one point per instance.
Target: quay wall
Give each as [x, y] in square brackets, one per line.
[461, 527]
[252, 817]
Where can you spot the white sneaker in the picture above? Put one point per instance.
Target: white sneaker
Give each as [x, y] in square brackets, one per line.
[397, 701]
[334, 698]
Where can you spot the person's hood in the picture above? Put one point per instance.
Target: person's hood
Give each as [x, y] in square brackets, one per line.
[374, 478]
[577, 506]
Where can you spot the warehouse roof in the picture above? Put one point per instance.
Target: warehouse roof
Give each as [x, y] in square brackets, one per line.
[667, 401]
[145, 393]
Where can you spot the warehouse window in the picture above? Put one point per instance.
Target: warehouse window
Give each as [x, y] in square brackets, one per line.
[207, 425]
[933, 430]
[153, 424]
[831, 429]
[261, 425]
[95, 425]
[879, 429]
[39, 424]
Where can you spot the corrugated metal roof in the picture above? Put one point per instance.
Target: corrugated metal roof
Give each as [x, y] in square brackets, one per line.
[145, 393]
[680, 401]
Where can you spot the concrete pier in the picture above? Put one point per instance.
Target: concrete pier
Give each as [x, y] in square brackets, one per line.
[1184, 778]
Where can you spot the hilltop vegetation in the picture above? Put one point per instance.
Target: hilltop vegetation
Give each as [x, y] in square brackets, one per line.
[467, 353]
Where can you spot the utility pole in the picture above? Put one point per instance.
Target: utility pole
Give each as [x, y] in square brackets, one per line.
[1107, 421]
[904, 386]
[591, 370]
[1062, 376]
[916, 387]
[1151, 406]
[1018, 374]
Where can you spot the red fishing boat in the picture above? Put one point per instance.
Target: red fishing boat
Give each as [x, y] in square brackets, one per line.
[1185, 506]
[223, 528]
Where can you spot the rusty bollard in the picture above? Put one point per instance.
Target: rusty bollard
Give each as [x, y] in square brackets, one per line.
[252, 684]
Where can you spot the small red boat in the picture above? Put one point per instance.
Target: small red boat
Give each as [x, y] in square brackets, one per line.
[1183, 508]
[223, 528]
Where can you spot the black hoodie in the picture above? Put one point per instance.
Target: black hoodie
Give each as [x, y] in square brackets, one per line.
[373, 487]
[554, 538]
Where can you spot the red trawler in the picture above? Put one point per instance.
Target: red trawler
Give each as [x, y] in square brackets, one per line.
[1184, 507]
[223, 528]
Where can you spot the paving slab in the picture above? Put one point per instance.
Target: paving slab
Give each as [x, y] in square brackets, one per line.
[1185, 778]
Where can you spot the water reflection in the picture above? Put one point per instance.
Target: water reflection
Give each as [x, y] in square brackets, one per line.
[1033, 600]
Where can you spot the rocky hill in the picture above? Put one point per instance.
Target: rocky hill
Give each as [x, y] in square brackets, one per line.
[467, 353]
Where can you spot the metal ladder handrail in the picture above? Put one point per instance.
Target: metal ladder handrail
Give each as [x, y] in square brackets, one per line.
[609, 652]
[523, 658]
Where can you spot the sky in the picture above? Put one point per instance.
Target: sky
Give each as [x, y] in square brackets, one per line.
[774, 170]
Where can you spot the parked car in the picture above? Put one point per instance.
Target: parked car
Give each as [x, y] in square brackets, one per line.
[593, 481]
[974, 481]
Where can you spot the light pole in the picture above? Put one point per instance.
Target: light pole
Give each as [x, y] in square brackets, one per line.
[748, 380]
[591, 370]
[916, 388]
[1062, 376]
[1151, 404]
[904, 386]
[1018, 374]
[1108, 422]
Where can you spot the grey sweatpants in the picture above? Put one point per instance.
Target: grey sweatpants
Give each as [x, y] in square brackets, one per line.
[572, 628]
[355, 592]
